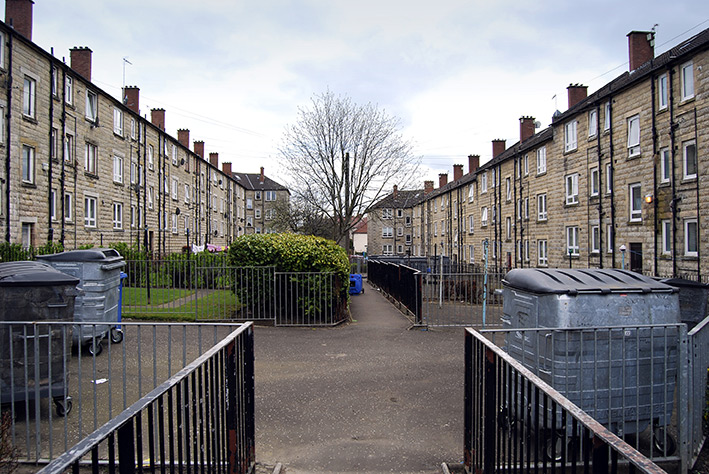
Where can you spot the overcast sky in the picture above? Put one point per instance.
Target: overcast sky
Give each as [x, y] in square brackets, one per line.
[457, 73]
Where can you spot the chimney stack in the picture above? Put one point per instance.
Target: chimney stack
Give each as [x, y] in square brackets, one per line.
[457, 172]
[81, 61]
[498, 146]
[473, 163]
[18, 14]
[183, 137]
[396, 190]
[442, 179]
[263, 176]
[641, 48]
[214, 159]
[157, 117]
[427, 187]
[131, 98]
[226, 169]
[577, 93]
[526, 128]
[199, 148]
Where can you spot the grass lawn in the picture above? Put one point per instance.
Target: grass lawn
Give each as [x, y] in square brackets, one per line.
[216, 305]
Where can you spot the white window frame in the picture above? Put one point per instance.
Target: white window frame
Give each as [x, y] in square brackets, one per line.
[483, 182]
[471, 193]
[151, 194]
[118, 169]
[151, 152]
[570, 136]
[665, 165]
[53, 204]
[69, 90]
[387, 232]
[174, 154]
[634, 136]
[687, 173]
[483, 217]
[387, 249]
[270, 195]
[175, 188]
[508, 189]
[607, 116]
[174, 223]
[542, 160]
[28, 164]
[542, 253]
[68, 207]
[90, 211]
[69, 148]
[91, 158]
[609, 179]
[508, 228]
[609, 237]
[595, 239]
[387, 213]
[257, 211]
[666, 226]
[572, 188]
[132, 128]
[689, 242]
[662, 92]
[117, 215]
[542, 207]
[592, 123]
[91, 106]
[687, 81]
[471, 224]
[635, 202]
[29, 96]
[118, 121]
[572, 241]
[594, 183]
[526, 165]
[187, 193]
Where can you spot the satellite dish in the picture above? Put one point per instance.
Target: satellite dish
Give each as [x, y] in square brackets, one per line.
[182, 161]
[177, 211]
[537, 124]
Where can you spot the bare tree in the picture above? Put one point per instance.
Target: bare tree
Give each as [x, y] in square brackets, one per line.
[342, 158]
[297, 216]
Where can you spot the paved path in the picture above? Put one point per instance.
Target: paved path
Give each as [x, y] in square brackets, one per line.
[371, 396]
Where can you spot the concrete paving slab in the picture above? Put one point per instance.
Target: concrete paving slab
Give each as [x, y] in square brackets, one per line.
[370, 396]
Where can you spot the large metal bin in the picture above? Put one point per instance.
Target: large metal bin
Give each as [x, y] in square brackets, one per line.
[693, 297]
[624, 378]
[99, 272]
[32, 358]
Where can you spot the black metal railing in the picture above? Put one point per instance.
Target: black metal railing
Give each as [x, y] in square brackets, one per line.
[400, 282]
[514, 421]
[201, 420]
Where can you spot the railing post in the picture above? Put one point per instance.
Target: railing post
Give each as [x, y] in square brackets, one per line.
[232, 425]
[468, 404]
[249, 392]
[126, 448]
[489, 412]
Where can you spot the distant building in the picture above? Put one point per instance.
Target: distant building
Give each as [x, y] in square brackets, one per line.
[359, 237]
[262, 196]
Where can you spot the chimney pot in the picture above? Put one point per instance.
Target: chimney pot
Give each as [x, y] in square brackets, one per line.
[473, 163]
[526, 128]
[226, 168]
[641, 48]
[457, 172]
[81, 61]
[18, 14]
[263, 176]
[214, 159]
[577, 93]
[157, 118]
[427, 187]
[199, 148]
[498, 146]
[131, 98]
[442, 179]
[396, 190]
[183, 137]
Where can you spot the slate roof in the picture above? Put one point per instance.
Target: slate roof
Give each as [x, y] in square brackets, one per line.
[403, 199]
[252, 181]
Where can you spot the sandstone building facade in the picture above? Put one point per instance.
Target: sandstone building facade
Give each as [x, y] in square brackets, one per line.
[83, 168]
[618, 179]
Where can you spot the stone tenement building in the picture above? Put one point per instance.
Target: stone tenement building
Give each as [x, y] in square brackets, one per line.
[81, 167]
[261, 196]
[619, 178]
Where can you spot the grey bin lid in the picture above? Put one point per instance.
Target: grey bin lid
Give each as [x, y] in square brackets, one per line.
[575, 281]
[684, 283]
[33, 274]
[89, 255]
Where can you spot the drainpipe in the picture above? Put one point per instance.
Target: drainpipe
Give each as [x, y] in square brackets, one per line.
[675, 199]
[654, 173]
[50, 229]
[601, 214]
[62, 176]
[696, 147]
[8, 135]
[611, 183]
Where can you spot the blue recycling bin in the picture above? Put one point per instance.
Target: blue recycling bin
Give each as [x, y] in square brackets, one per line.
[356, 284]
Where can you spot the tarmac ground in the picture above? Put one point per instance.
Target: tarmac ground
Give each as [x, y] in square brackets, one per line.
[369, 396]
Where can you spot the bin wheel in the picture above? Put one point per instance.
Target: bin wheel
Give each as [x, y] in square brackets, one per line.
[116, 335]
[63, 406]
[554, 449]
[662, 441]
[363, 290]
[95, 348]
